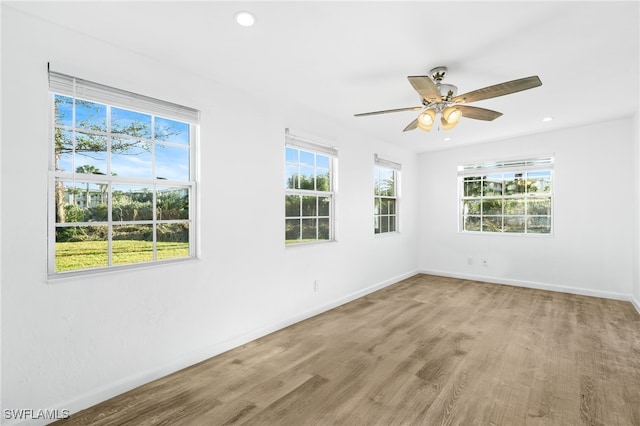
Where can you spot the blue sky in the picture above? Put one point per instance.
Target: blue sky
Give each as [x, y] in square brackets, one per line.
[171, 155]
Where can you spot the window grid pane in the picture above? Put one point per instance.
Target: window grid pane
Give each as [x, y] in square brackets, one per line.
[308, 196]
[385, 200]
[106, 170]
[518, 202]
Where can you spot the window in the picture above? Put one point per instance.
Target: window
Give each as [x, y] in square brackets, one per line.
[309, 194]
[121, 176]
[385, 195]
[509, 197]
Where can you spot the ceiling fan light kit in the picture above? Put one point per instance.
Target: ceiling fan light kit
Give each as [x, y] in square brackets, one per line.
[426, 119]
[438, 98]
[451, 115]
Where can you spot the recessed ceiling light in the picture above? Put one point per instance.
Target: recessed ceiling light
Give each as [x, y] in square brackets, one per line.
[447, 139]
[547, 119]
[246, 19]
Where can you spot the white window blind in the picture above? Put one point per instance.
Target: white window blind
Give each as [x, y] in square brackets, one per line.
[530, 164]
[307, 144]
[386, 163]
[83, 89]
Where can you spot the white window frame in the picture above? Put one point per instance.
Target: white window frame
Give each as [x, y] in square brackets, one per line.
[395, 168]
[75, 88]
[480, 170]
[311, 146]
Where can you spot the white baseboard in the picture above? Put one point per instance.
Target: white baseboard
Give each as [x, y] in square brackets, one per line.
[636, 304]
[110, 390]
[533, 284]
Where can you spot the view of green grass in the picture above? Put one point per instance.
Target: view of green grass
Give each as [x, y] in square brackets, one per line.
[93, 254]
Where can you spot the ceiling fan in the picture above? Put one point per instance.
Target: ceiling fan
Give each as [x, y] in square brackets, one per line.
[438, 98]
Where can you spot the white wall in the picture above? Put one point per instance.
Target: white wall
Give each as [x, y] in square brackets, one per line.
[636, 271]
[591, 250]
[73, 343]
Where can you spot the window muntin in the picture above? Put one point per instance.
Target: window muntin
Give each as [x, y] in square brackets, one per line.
[507, 197]
[309, 194]
[122, 180]
[385, 211]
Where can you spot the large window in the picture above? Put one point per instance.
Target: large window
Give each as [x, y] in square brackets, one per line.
[507, 197]
[309, 195]
[385, 195]
[122, 178]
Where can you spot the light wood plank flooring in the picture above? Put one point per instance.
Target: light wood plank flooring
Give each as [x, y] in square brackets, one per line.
[426, 351]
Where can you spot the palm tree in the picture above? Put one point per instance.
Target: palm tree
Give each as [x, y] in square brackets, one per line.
[74, 193]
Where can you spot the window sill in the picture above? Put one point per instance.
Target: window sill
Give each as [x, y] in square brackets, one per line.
[507, 234]
[89, 273]
[387, 234]
[309, 243]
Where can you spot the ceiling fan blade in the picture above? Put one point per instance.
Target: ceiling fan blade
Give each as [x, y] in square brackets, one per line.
[411, 126]
[426, 87]
[478, 113]
[501, 89]
[386, 111]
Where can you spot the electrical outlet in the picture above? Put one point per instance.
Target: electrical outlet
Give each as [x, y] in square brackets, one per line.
[485, 262]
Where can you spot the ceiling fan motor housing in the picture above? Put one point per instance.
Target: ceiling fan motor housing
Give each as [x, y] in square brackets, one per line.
[447, 91]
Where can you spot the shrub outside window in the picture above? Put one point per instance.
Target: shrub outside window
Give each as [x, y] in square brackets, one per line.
[512, 197]
[122, 179]
[309, 196]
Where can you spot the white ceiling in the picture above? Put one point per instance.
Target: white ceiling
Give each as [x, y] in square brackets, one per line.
[341, 58]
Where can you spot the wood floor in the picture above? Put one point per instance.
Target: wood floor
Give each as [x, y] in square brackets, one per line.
[426, 351]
